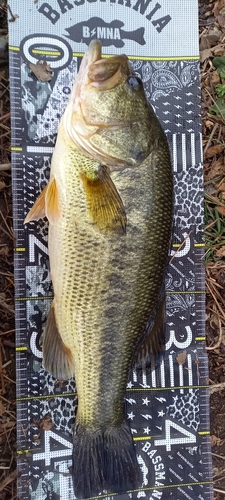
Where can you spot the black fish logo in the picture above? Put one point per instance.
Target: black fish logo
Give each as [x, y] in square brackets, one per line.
[107, 33]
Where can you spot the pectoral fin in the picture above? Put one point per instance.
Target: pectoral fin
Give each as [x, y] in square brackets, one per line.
[52, 202]
[105, 206]
[47, 204]
[38, 210]
[57, 357]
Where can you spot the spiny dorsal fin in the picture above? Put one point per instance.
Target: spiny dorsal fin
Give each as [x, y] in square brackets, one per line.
[47, 204]
[105, 206]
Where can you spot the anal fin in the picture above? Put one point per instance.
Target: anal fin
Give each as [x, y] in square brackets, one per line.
[57, 357]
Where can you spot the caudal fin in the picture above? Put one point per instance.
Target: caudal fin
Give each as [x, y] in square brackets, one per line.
[104, 461]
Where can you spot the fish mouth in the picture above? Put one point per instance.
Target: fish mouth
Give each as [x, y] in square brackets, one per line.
[105, 73]
[96, 71]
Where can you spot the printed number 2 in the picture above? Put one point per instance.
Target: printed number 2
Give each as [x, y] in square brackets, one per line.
[188, 437]
[36, 248]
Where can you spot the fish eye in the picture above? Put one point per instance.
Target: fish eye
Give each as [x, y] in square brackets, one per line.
[135, 82]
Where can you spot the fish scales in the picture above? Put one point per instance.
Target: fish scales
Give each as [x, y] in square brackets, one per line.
[107, 279]
[95, 331]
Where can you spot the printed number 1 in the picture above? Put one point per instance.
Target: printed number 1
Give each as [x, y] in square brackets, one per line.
[188, 437]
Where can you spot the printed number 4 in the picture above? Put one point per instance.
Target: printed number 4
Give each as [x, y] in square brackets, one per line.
[187, 438]
[50, 453]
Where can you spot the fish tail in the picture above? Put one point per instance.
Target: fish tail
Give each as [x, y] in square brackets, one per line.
[104, 460]
[137, 35]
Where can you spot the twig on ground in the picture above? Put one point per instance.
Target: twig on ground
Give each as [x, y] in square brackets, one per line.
[5, 166]
[218, 456]
[215, 299]
[6, 307]
[211, 348]
[8, 480]
[217, 387]
[3, 117]
[219, 491]
[211, 137]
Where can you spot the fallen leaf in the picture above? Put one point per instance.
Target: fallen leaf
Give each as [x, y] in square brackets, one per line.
[2, 185]
[204, 43]
[217, 168]
[219, 4]
[181, 358]
[214, 37]
[214, 77]
[214, 150]
[209, 40]
[220, 252]
[220, 209]
[221, 186]
[215, 440]
[41, 70]
[221, 20]
[47, 423]
[205, 54]
[219, 50]
[4, 251]
[208, 123]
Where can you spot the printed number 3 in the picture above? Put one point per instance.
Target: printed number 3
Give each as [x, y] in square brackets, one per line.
[178, 343]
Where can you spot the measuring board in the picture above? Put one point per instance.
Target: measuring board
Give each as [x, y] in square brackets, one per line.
[167, 407]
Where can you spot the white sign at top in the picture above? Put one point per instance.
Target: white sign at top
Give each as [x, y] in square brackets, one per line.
[140, 28]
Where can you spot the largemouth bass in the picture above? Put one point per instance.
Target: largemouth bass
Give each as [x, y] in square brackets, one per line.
[109, 205]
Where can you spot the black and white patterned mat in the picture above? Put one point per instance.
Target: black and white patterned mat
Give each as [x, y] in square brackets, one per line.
[168, 408]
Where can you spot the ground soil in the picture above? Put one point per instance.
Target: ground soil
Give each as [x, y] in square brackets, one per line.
[212, 44]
